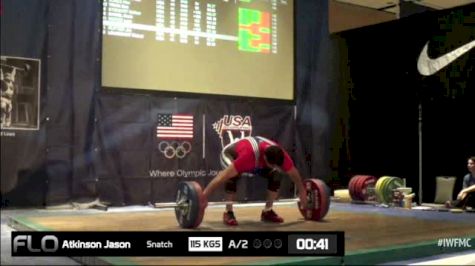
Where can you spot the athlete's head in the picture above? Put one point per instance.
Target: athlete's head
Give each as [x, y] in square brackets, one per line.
[274, 155]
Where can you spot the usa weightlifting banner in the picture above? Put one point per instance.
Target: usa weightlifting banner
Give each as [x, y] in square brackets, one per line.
[173, 244]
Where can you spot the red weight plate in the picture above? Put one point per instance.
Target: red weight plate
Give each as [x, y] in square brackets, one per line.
[354, 185]
[368, 183]
[318, 201]
[190, 204]
[358, 187]
[362, 190]
[202, 203]
[351, 187]
[325, 197]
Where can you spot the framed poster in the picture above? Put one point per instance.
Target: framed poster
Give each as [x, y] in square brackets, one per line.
[20, 93]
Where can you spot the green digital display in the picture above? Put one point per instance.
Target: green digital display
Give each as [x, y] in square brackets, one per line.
[254, 31]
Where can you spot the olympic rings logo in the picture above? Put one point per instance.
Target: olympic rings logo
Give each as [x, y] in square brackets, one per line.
[174, 149]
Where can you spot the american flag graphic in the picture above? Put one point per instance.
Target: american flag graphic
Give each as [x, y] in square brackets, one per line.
[175, 126]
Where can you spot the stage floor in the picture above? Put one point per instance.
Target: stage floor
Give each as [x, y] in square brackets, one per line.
[372, 234]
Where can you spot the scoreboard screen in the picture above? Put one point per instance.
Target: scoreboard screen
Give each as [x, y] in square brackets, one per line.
[222, 47]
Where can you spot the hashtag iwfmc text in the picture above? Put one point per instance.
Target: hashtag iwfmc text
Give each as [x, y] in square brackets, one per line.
[454, 243]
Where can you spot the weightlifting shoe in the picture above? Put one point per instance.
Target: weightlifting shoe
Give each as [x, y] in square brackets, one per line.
[229, 219]
[271, 217]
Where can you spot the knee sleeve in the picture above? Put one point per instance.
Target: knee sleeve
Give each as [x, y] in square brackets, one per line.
[231, 185]
[273, 181]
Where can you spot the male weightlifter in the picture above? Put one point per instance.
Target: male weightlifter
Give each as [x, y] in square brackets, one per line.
[260, 156]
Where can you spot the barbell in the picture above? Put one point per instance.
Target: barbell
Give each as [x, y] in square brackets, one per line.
[185, 204]
[190, 202]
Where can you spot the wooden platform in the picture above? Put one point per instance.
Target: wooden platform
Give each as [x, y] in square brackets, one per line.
[370, 237]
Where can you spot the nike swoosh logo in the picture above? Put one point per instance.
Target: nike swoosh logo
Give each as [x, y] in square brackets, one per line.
[428, 66]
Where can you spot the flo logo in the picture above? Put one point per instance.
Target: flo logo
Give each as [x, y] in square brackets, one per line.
[233, 127]
[49, 243]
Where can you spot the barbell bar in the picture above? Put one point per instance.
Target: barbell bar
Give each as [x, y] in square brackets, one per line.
[185, 204]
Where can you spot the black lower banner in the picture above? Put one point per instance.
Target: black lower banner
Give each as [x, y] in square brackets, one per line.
[182, 243]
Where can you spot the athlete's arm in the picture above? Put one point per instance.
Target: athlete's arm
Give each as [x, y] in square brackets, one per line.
[297, 179]
[224, 175]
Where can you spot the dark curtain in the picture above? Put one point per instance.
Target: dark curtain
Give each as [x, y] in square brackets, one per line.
[72, 67]
[23, 152]
[322, 95]
[53, 162]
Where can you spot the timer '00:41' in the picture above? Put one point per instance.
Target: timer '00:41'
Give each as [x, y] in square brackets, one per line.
[312, 244]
